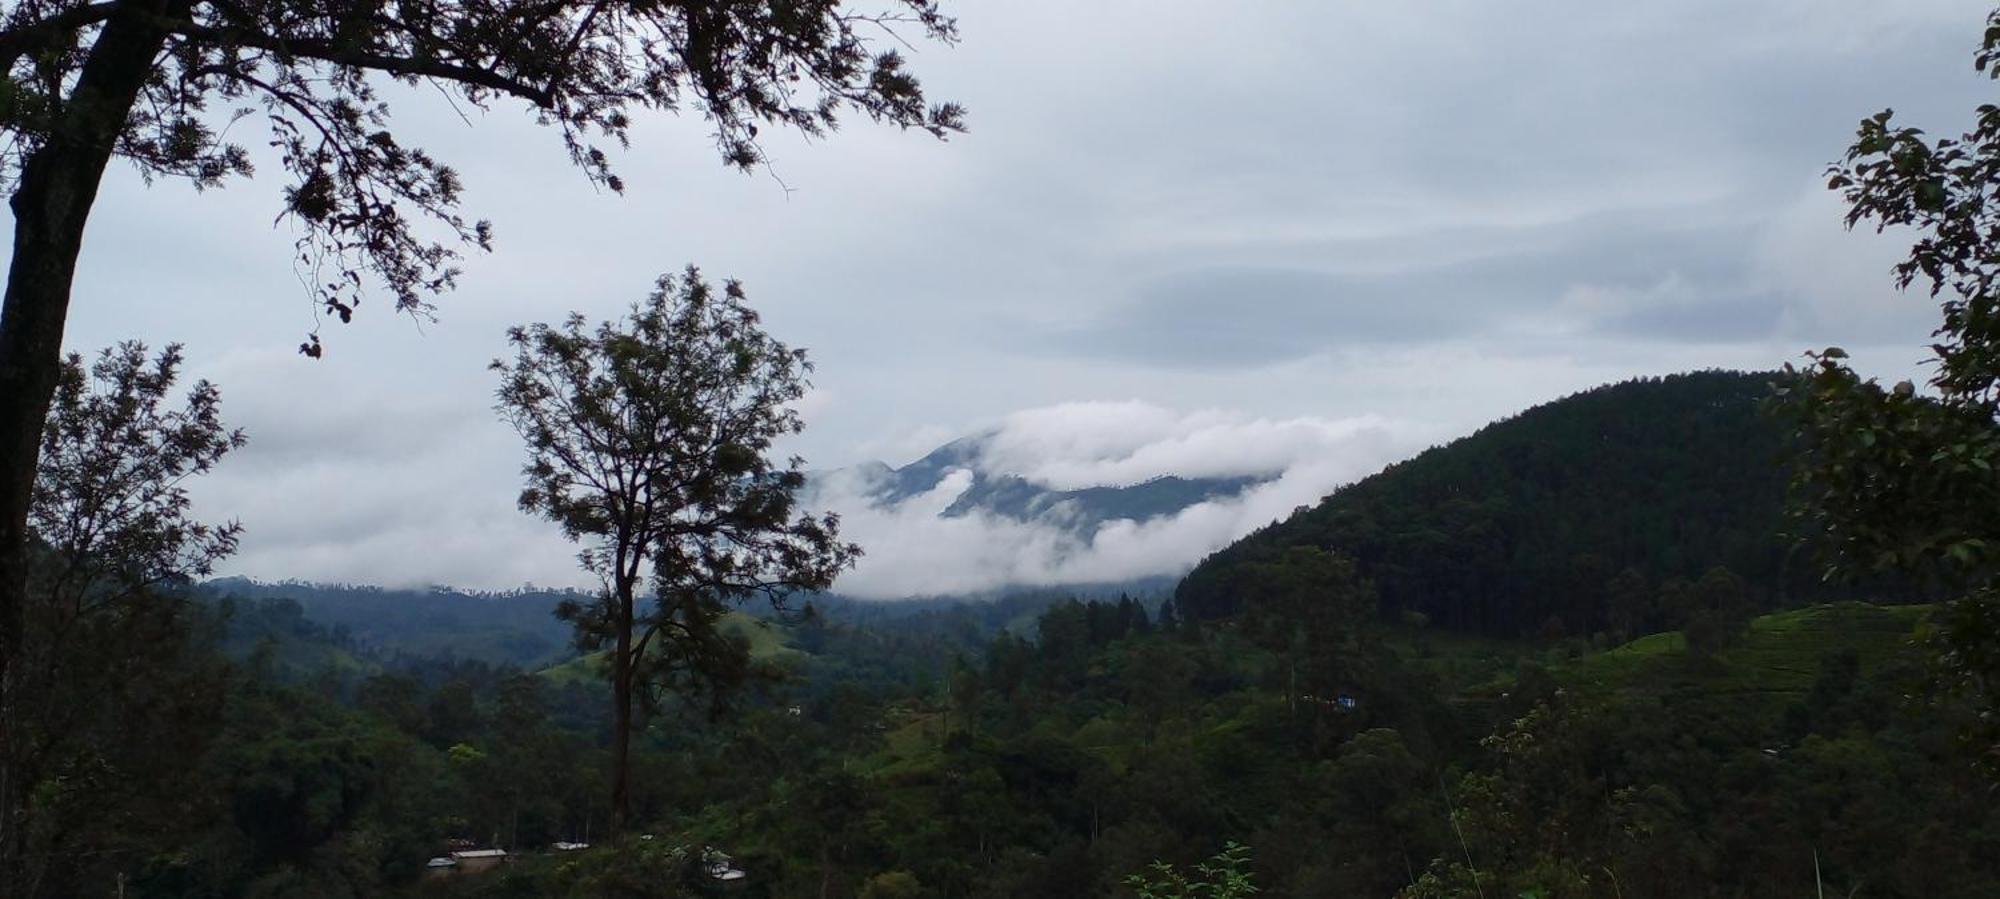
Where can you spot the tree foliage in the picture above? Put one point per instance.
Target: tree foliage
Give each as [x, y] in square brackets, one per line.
[1222, 877]
[110, 501]
[1904, 480]
[649, 442]
[117, 698]
[315, 74]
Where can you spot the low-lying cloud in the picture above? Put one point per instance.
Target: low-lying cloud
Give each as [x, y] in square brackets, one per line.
[913, 549]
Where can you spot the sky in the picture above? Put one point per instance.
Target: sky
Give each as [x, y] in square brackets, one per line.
[1305, 238]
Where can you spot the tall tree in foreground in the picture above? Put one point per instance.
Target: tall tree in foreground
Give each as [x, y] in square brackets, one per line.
[176, 87]
[116, 700]
[649, 442]
[1896, 480]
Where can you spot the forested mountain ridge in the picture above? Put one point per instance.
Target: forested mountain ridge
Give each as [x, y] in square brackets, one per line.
[513, 628]
[1540, 521]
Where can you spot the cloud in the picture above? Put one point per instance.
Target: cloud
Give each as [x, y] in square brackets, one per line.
[912, 550]
[1669, 273]
[1094, 444]
[337, 485]
[1837, 280]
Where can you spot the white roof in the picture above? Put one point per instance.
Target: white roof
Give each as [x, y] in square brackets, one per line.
[480, 853]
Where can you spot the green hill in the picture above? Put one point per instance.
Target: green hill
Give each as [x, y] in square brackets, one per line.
[277, 632]
[1524, 526]
[514, 628]
[769, 642]
[1778, 658]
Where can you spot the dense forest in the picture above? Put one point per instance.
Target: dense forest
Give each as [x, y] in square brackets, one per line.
[1579, 516]
[1318, 736]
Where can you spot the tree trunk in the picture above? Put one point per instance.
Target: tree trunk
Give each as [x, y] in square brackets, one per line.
[51, 203]
[621, 717]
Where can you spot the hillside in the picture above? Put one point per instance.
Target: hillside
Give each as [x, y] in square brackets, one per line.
[1526, 525]
[518, 628]
[769, 642]
[1777, 658]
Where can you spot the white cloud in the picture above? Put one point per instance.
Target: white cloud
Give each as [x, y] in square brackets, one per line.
[913, 551]
[1091, 444]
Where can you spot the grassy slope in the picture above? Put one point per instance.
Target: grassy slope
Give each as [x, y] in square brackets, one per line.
[1778, 658]
[769, 642]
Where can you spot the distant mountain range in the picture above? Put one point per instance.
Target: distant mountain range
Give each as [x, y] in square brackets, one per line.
[1006, 494]
[517, 627]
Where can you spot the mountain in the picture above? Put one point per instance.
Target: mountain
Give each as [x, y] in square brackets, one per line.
[997, 492]
[1545, 521]
[518, 628]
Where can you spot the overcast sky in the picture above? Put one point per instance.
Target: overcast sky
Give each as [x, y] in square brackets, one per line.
[1392, 219]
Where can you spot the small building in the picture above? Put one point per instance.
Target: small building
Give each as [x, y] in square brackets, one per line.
[472, 861]
[720, 867]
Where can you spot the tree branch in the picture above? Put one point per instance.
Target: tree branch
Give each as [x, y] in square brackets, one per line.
[324, 51]
[20, 39]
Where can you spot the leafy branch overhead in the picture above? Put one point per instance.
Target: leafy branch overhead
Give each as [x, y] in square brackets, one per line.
[314, 72]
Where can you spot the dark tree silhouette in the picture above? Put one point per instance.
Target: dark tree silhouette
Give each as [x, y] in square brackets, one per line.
[648, 442]
[104, 690]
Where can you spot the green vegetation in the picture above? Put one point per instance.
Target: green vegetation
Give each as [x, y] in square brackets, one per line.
[1778, 655]
[514, 628]
[1111, 746]
[649, 443]
[767, 642]
[1223, 877]
[1897, 481]
[1043, 745]
[1571, 518]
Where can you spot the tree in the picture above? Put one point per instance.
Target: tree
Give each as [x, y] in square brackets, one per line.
[115, 697]
[1312, 609]
[1222, 876]
[167, 85]
[648, 442]
[1898, 481]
